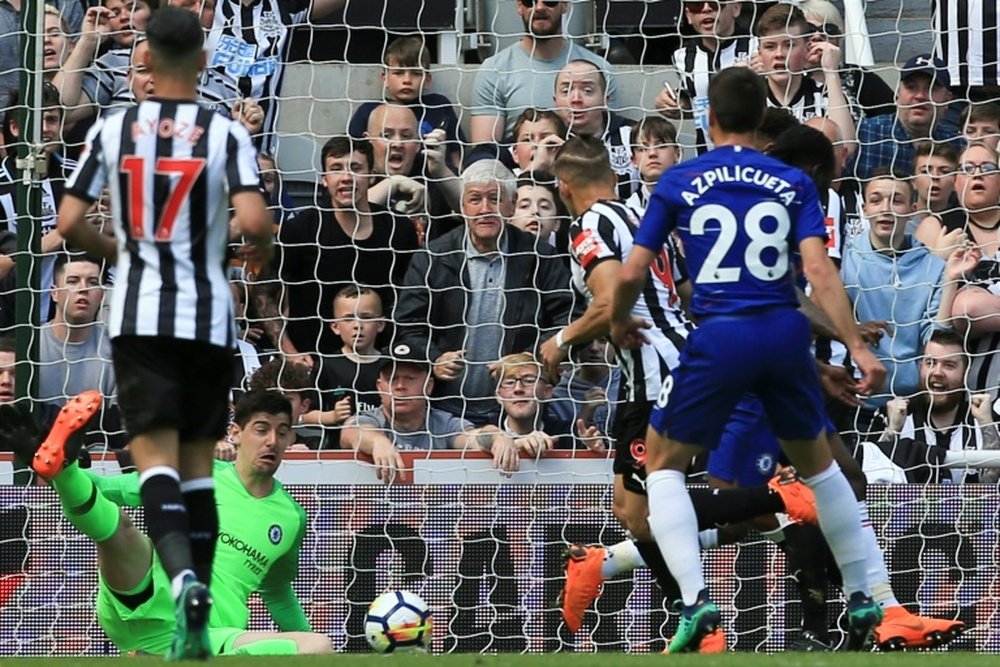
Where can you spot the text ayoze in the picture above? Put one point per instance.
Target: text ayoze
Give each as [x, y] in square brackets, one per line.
[738, 174]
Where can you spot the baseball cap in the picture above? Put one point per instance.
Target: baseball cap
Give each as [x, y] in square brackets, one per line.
[927, 64]
[402, 353]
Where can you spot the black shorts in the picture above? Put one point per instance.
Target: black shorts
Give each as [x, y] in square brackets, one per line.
[629, 433]
[168, 383]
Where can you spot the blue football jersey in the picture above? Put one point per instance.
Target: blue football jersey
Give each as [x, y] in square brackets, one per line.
[741, 216]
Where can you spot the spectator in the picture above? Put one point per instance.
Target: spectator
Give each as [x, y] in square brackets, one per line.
[587, 392]
[278, 198]
[8, 363]
[654, 150]
[405, 78]
[782, 54]
[127, 20]
[887, 142]
[74, 350]
[522, 75]
[943, 416]
[537, 136]
[934, 170]
[581, 101]
[292, 380]
[894, 281]
[714, 47]
[539, 210]
[522, 391]
[323, 250]
[405, 421]
[866, 92]
[481, 292]
[981, 122]
[347, 381]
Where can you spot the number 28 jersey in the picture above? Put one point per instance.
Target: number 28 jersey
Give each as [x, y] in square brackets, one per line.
[170, 167]
[741, 216]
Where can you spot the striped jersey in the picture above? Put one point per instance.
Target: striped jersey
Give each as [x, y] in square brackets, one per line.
[605, 231]
[967, 38]
[809, 102]
[249, 45]
[696, 65]
[171, 167]
[963, 434]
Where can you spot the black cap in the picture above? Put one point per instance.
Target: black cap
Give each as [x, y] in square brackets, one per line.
[927, 64]
[402, 353]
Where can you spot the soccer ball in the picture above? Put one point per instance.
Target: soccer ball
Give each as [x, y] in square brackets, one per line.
[398, 620]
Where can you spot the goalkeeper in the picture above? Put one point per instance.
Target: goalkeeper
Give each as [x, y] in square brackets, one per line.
[261, 531]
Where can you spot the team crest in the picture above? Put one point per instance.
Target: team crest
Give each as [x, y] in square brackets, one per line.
[765, 464]
[621, 158]
[274, 534]
[269, 24]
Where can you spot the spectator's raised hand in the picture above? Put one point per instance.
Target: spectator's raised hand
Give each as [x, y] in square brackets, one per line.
[591, 437]
[249, 114]
[407, 194]
[668, 102]
[435, 153]
[981, 408]
[827, 54]
[543, 154]
[449, 365]
[947, 242]
[96, 25]
[895, 413]
[960, 261]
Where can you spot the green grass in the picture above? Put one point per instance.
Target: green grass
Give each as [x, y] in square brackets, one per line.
[570, 659]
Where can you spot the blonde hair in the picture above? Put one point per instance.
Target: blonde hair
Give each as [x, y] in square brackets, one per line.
[519, 360]
[63, 23]
[824, 11]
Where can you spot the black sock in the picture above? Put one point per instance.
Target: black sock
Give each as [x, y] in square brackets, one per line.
[203, 519]
[167, 522]
[654, 561]
[805, 554]
[715, 507]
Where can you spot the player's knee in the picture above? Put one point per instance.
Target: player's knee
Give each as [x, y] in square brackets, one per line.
[634, 519]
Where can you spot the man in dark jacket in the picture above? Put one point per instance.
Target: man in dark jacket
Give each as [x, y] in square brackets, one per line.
[480, 292]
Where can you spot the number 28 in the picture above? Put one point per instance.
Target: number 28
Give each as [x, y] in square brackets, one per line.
[712, 270]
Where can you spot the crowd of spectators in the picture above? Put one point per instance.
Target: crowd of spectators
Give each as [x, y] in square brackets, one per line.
[404, 307]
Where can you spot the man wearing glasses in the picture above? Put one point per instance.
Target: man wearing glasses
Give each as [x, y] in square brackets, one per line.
[921, 101]
[523, 75]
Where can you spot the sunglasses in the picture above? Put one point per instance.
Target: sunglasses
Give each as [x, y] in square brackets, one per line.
[828, 30]
[698, 7]
[984, 168]
[532, 3]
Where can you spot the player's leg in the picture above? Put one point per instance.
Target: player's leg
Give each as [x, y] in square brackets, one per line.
[277, 643]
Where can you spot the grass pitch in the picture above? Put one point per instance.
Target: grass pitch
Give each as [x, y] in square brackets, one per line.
[915, 659]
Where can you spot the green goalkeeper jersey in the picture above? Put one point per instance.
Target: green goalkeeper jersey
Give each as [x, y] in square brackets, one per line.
[257, 549]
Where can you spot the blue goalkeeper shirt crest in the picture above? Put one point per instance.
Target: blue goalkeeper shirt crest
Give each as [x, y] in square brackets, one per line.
[741, 216]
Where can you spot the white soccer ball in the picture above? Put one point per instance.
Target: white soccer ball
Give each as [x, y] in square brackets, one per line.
[397, 621]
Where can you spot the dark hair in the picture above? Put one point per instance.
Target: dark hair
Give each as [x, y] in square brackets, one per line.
[654, 127]
[408, 52]
[51, 99]
[355, 292]
[776, 120]
[7, 344]
[175, 38]
[533, 116]
[737, 97]
[544, 179]
[949, 337]
[280, 374]
[260, 400]
[583, 159]
[981, 111]
[928, 148]
[885, 173]
[64, 258]
[779, 18]
[342, 145]
[810, 150]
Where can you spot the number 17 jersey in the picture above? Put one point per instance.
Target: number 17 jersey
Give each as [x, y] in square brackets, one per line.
[741, 215]
[171, 168]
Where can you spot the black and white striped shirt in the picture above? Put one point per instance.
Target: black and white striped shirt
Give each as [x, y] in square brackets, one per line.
[967, 38]
[171, 167]
[606, 231]
[964, 434]
[249, 45]
[697, 64]
[809, 102]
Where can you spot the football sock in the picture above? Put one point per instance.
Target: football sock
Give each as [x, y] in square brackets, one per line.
[203, 521]
[621, 557]
[674, 526]
[654, 561]
[266, 647]
[167, 522]
[878, 574]
[841, 525]
[90, 512]
[708, 539]
[720, 506]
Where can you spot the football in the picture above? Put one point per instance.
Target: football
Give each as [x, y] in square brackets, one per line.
[398, 621]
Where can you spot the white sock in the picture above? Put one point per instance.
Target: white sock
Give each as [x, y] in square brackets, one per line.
[709, 538]
[841, 524]
[620, 558]
[878, 574]
[177, 583]
[675, 527]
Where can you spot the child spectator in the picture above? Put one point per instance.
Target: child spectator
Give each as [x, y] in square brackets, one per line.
[654, 150]
[405, 79]
[539, 210]
[537, 136]
[981, 121]
[934, 169]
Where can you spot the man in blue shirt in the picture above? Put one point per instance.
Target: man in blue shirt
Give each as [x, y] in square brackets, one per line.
[741, 215]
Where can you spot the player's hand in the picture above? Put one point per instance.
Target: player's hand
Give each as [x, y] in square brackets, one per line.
[449, 365]
[895, 413]
[388, 462]
[505, 457]
[543, 154]
[668, 103]
[591, 437]
[872, 371]
[535, 443]
[249, 114]
[225, 450]
[551, 356]
[981, 408]
[961, 260]
[946, 243]
[872, 332]
[838, 383]
[628, 333]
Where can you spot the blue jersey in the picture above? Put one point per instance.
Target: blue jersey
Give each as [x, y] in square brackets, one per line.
[741, 216]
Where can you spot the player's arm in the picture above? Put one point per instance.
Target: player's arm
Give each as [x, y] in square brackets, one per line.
[276, 588]
[74, 227]
[626, 330]
[818, 321]
[828, 291]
